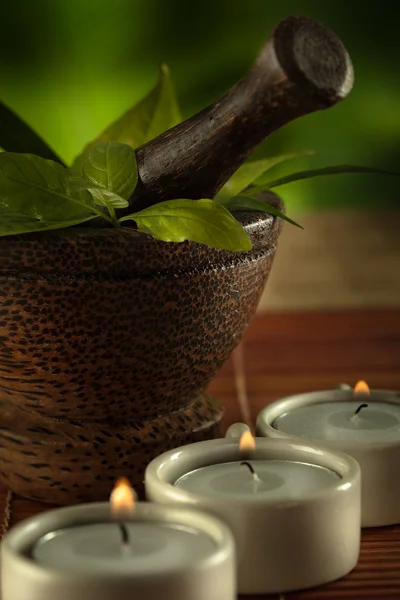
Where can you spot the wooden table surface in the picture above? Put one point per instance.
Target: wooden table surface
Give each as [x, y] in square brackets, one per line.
[288, 353]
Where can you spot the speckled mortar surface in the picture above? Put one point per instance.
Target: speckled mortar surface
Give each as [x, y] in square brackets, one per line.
[76, 461]
[107, 328]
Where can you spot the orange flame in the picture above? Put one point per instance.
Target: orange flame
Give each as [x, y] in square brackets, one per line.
[247, 442]
[361, 389]
[122, 499]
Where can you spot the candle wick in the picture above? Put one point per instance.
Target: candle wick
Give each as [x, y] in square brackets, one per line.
[251, 469]
[249, 465]
[359, 408]
[124, 533]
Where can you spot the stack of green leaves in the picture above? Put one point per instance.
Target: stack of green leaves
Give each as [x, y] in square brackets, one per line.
[39, 193]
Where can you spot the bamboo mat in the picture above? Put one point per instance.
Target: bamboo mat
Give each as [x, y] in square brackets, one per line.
[285, 353]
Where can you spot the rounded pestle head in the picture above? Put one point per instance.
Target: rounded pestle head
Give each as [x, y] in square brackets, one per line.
[301, 68]
[313, 57]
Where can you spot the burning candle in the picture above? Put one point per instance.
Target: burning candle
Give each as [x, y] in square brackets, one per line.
[363, 423]
[133, 550]
[275, 496]
[279, 479]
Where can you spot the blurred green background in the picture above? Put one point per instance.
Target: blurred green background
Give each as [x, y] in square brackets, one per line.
[70, 67]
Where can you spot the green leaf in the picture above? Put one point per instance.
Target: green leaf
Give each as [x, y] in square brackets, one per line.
[17, 136]
[20, 221]
[98, 195]
[153, 115]
[35, 195]
[112, 166]
[246, 203]
[334, 170]
[160, 109]
[105, 198]
[251, 171]
[204, 221]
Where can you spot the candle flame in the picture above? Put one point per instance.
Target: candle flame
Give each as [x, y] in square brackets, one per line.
[122, 499]
[361, 389]
[247, 442]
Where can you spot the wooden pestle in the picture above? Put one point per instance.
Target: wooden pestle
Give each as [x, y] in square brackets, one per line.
[302, 67]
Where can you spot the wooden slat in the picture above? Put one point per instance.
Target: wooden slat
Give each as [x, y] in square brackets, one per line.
[345, 326]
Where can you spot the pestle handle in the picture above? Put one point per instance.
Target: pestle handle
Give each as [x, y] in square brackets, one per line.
[302, 67]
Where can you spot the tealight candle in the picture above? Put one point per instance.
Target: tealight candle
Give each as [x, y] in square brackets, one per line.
[365, 425]
[86, 553]
[277, 479]
[294, 509]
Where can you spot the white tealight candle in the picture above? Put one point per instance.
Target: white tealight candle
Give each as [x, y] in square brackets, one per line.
[98, 548]
[282, 497]
[355, 421]
[273, 479]
[367, 426]
[82, 553]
